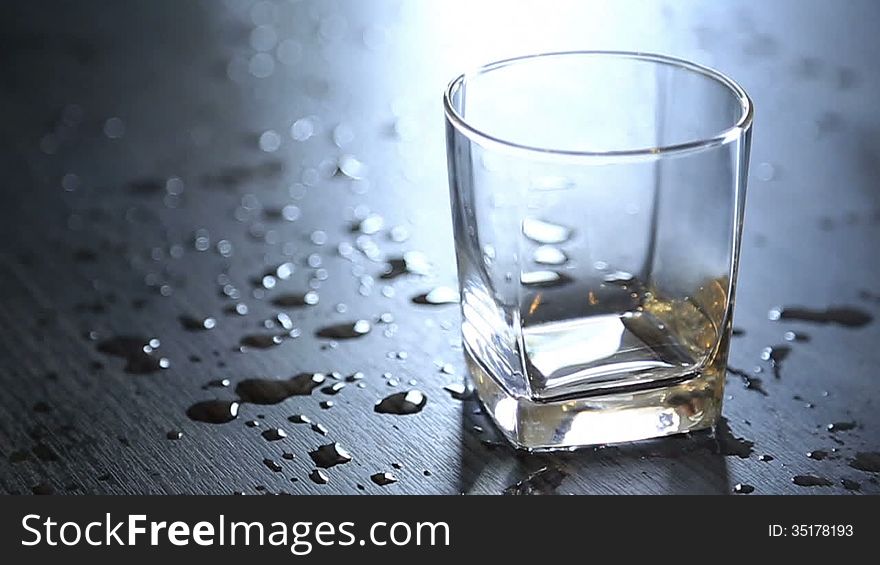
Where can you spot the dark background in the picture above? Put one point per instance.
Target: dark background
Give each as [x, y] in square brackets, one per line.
[102, 102]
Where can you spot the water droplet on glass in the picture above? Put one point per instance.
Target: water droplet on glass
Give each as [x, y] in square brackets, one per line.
[402, 403]
[618, 277]
[549, 255]
[330, 455]
[552, 183]
[544, 279]
[459, 391]
[545, 232]
[213, 411]
[438, 296]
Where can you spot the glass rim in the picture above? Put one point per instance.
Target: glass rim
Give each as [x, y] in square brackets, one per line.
[723, 137]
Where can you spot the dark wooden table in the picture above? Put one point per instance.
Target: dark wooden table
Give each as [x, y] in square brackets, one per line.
[150, 180]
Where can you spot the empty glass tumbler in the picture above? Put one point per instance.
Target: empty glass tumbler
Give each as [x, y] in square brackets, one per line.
[597, 201]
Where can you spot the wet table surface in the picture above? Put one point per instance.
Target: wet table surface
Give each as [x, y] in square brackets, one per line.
[160, 158]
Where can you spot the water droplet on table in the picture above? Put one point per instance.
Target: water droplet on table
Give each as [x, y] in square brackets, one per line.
[749, 382]
[383, 479]
[174, 435]
[356, 329]
[352, 167]
[191, 323]
[543, 481]
[402, 403]
[213, 411]
[333, 389]
[271, 391]
[729, 444]
[866, 461]
[841, 426]
[330, 455]
[796, 336]
[371, 225]
[137, 352]
[217, 383]
[741, 488]
[260, 341]
[274, 434]
[272, 465]
[775, 355]
[811, 481]
[843, 315]
[293, 300]
[43, 489]
[319, 477]
[850, 484]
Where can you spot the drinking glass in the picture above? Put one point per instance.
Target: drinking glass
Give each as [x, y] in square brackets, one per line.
[597, 203]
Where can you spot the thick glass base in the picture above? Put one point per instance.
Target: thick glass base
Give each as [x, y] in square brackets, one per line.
[687, 404]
